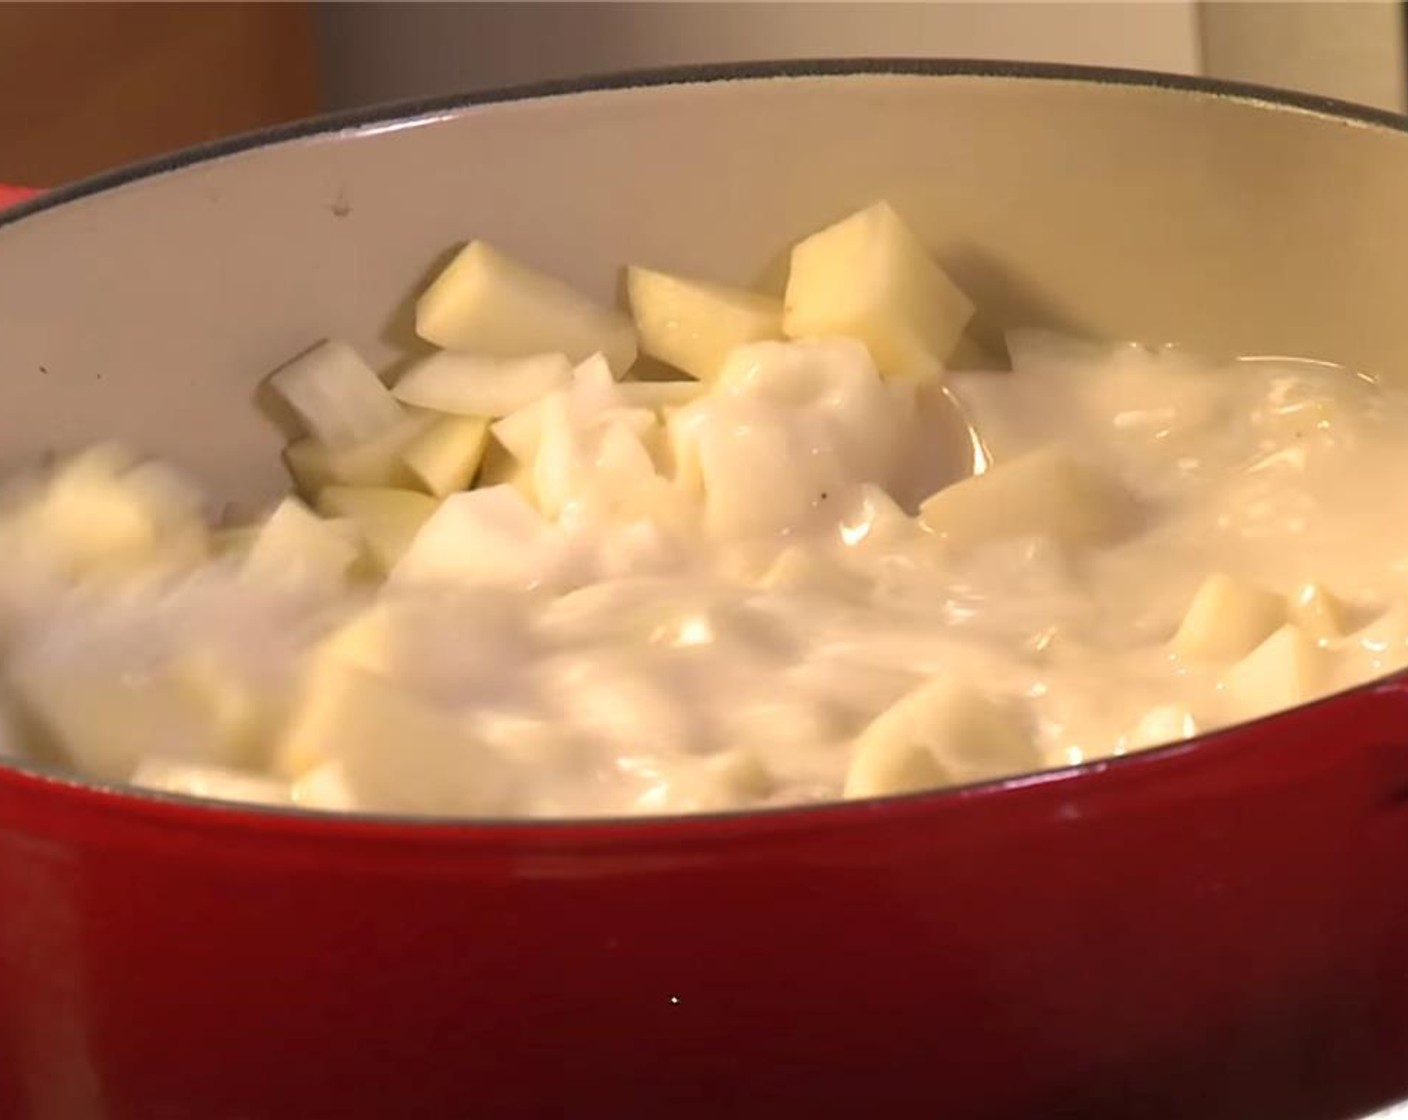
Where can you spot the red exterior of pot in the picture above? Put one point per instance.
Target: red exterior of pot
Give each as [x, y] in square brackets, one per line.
[11, 196]
[1217, 930]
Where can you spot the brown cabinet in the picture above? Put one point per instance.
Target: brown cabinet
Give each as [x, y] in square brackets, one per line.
[84, 87]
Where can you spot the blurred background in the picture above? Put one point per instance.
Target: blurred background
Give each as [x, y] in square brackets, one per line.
[85, 87]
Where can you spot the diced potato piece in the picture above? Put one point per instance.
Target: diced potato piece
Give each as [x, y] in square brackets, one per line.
[1166, 723]
[1285, 670]
[795, 568]
[501, 468]
[875, 518]
[534, 744]
[521, 431]
[661, 394]
[561, 457]
[1226, 619]
[487, 536]
[656, 502]
[324, 787]
[656, 442]
[622, 462]
[595, 464]
[235, 542]
[104, 719]
[941, 733]
[1044, 493]
[801, 568]
[1320, 613]
[377, 462]
[100, 511]
[619, 703]
[594, 387]
[733, 462]
[683, 430]
[868, 277]
[102, 726]
[237, 711]
[892, 766]
[397, 753]
[308, 464]
[1379, 648]
[487, 303]
[296, 543]
[469, 385]
[215, 782]
[365, 641]
[735, 779]
[693, 324]
[386, 520]
[445, 457]
[336, 395]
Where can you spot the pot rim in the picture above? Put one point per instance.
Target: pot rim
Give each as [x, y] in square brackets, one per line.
[417, 111]
[29, 777]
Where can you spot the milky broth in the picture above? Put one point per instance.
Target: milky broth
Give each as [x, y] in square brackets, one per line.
[716, 621]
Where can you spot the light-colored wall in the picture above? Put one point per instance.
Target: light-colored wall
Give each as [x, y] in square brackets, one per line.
[1352, 51]
[382, 51]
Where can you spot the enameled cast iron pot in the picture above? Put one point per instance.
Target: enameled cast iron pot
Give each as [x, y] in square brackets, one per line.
[1215, 930]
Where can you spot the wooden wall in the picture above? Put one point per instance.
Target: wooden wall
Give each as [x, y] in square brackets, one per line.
[84, 87]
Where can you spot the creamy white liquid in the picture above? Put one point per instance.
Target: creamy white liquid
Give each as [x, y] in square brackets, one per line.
[720, 638]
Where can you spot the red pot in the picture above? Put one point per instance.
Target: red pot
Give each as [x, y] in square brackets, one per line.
[1213, 930]
[10, 195]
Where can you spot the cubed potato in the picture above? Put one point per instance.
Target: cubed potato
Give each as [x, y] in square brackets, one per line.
[367, 640]
[561, 459]
[1379, 648]
[805, 569]
[521, 431]
[490, 536]
[324, 787]
[100, 511]
[941, 733]
[868, 277]
[386, 520]
[1164, 723]
[751, 483]
[875, 518]
[235, 542]
[1044, 493]
[623, 704]
[734, 779]
[215, 782]
[692, 324]
[486, 303]
[1320, 613]
[295, 543]
[378, 461]
[397, 753]
[1226, 619]
[337, 396]
[502, 468]
[103, 727]
[446, 456]
[472, 385]
[659, 395]
[592, 465]
[103, 719]
[1286, 670]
